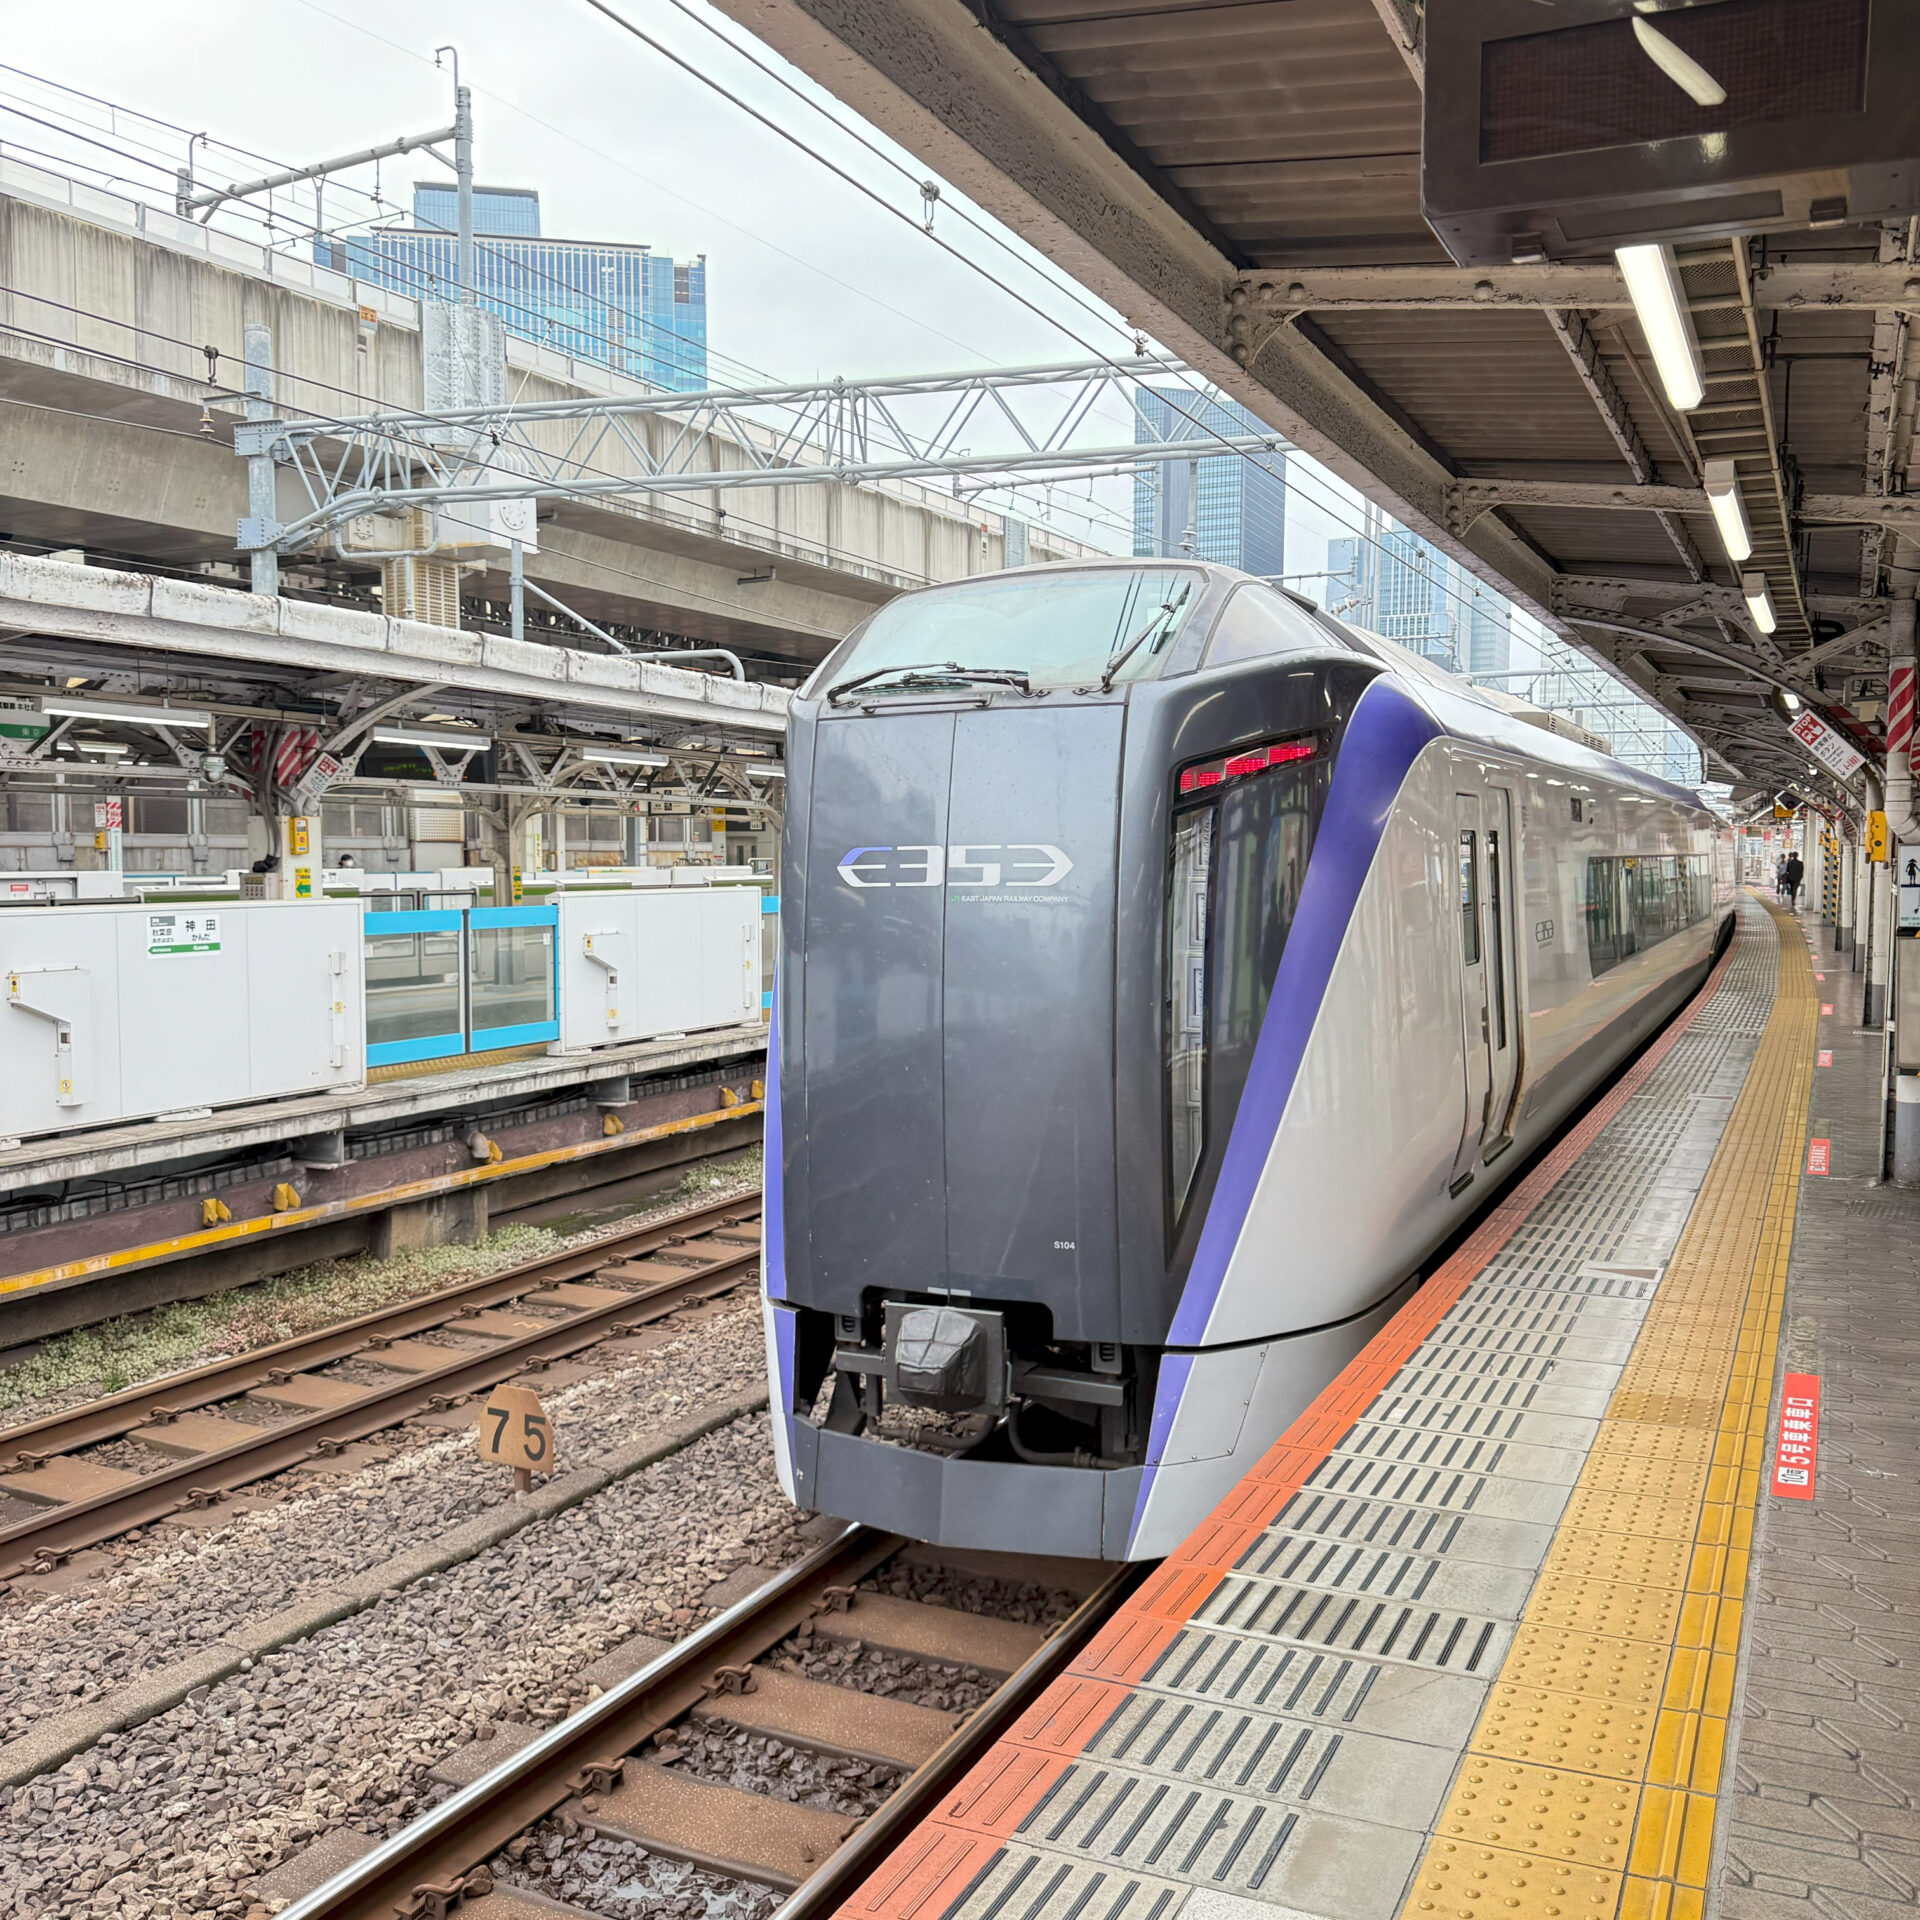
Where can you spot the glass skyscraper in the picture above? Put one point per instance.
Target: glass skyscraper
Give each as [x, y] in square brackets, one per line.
[1397, 585]
[638, 312]
[1239, 517]
[1394, 583]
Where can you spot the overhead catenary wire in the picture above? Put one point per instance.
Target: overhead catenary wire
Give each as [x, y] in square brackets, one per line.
[1336, 510]
[352, 230]
[343, 231]
[1172, 370]
[585, 469]
[287, 234]
[1091, 517]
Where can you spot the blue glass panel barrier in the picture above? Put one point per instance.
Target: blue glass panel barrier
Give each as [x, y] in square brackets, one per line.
[414, 985]
[511, 977]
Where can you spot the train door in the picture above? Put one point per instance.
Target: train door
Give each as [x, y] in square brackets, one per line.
[1503, 969]
[1476, 1016]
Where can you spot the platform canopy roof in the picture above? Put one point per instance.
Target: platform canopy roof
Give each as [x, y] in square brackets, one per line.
[1243, 182]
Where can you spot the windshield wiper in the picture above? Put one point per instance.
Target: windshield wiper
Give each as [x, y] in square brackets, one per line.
[933, 673]
[1163, 619]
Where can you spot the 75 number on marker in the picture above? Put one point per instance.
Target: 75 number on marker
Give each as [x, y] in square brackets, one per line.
[514, 1431]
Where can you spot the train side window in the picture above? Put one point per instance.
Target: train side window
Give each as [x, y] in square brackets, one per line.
[1238, 863]
[1603, 916]
[1469, 897]
[1190, 896]
[1257, 623]
[1638, 900]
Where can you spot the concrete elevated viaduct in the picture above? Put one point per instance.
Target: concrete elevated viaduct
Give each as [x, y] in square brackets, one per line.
[121, 339]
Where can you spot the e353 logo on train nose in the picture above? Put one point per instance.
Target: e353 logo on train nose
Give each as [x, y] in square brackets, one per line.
[957, 866]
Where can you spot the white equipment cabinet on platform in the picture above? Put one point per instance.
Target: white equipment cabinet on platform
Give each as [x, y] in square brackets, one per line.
[120, 1012]
[634, 966]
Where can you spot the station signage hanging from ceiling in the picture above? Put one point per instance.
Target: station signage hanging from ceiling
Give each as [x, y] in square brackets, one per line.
[1826, 746]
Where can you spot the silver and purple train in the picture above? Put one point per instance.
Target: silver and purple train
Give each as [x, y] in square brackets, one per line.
[1167, 971]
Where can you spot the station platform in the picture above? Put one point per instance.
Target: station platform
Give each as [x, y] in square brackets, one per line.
[1516, 1621]
[120, 1219]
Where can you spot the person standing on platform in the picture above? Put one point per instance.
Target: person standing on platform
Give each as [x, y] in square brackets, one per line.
[1794, 874]
[1780, 877]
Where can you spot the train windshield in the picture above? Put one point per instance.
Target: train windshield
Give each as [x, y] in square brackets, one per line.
[1048, 630]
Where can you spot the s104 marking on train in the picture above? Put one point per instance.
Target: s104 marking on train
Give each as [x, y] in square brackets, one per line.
[954, 866]
[1070, 1213]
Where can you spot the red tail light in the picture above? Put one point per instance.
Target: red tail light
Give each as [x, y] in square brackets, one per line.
[1236, 766]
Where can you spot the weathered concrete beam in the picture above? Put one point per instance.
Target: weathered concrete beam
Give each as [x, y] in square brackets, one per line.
[179, 617]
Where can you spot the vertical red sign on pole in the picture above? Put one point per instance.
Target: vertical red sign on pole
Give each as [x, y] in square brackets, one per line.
[1798, 1440]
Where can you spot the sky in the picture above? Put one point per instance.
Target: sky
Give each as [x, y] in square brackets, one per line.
[807, 276]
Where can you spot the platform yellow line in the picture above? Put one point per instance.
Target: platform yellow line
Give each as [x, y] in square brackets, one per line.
[1589, 1786]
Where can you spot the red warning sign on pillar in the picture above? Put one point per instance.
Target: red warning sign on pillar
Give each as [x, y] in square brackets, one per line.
[1798, 1439]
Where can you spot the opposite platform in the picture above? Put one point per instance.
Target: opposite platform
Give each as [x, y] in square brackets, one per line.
[1464, 1643]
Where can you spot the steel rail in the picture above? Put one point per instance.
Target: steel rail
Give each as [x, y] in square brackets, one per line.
[425, 1867]
[64, 1529]
[463, 1832]
[842, 1874]
[118, 1414]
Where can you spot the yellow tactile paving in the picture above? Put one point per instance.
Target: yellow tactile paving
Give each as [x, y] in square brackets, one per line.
[1608, 1510]
[1607, 1606]
[1469, 1882]
[1585, 1818]
[1589, 1787]
[1636, 1559]
[1594, 1665]
[1565, 1730]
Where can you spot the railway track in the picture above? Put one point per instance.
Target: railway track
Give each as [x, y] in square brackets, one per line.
[522, 1320]
[609, 1767]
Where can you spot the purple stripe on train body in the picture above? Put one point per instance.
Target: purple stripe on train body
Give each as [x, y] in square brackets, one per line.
[1383, 739]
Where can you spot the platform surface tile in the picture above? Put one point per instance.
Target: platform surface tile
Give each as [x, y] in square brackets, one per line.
[1463, 1645]
[1820, 1802]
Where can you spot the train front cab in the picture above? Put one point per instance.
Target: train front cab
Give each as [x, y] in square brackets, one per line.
[1043, 1272]
[1030, 945]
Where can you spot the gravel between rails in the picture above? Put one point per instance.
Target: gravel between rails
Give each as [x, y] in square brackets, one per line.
[622, 1881]
[172, 1818]
[172, 1590]
[567, 1860]
[756, 1763]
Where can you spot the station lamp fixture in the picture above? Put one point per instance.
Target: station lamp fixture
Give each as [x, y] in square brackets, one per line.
[1729, 512]
[1653, 285]
[767, 773]
[58, 706]
[106, 749]
[617, 756]
[1753, 590]
[446, 742]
